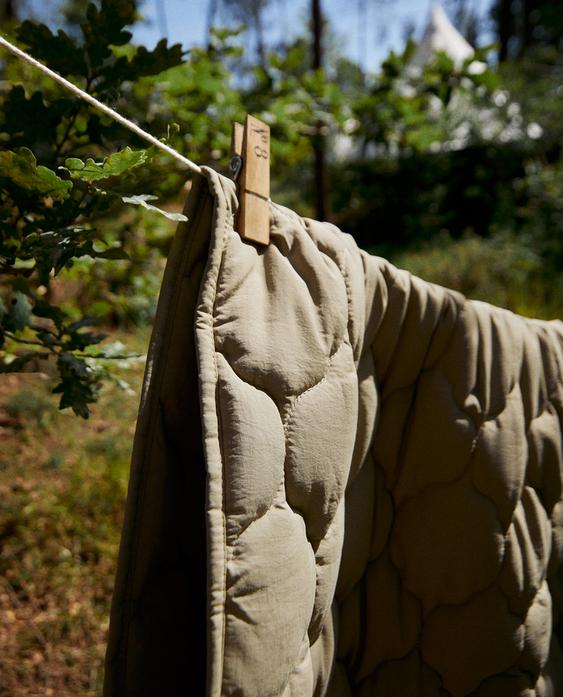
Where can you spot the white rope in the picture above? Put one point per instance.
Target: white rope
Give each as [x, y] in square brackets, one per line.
[98, 105]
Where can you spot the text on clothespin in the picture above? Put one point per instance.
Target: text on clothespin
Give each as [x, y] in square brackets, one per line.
[250, 166]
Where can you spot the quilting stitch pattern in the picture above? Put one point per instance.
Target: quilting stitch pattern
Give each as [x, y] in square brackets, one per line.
[421, 561]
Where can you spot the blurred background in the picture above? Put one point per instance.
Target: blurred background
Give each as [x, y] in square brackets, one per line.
[430, 132]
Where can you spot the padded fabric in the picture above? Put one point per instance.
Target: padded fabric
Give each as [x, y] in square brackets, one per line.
[377, 463]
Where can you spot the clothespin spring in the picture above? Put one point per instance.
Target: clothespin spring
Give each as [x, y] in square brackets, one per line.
[235, 166]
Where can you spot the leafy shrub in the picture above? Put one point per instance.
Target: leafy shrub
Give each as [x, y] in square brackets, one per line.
[501, 270]
[52, 203]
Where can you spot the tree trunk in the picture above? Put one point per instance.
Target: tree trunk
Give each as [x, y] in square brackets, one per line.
[362, 32]
[528, 8]
[7, 10]
[317, 20]
[260, 43]
[161, 18]
[321, 204]
[505, 26]
[211, 14]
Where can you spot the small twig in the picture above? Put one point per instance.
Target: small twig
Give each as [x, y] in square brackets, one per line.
[11, 271]
[40, 328]
[71, 123]
[107, 358]
[29, 342]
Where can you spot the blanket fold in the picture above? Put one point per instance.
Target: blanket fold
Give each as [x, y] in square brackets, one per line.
[346, 481]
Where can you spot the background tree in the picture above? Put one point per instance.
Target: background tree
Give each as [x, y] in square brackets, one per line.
[466, 19]
[7, 11]
[523, 26]
[319, 140]
[248, 12]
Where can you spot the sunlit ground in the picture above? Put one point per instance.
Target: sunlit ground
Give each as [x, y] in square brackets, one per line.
[62, 489]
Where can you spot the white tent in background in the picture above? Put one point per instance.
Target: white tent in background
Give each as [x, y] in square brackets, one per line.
[441, 35]
[495, 118]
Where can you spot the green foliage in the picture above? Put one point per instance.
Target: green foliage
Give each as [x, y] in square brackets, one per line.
[441, 150]
[199, 95]
[408, 109]
[502, 270]
[19, 169]
[112, 166]
[62, 214]
[53, 205]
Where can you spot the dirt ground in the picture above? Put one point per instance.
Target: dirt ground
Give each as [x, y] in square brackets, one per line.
[62, 487]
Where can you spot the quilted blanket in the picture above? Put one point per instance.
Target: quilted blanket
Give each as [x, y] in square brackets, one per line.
[346, 481]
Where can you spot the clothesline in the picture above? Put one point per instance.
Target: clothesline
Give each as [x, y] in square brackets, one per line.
[99, 105]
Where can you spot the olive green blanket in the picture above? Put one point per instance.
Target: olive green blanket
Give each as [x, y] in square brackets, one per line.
[346, 481]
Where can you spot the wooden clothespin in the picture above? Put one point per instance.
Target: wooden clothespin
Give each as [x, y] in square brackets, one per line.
[250, 167]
